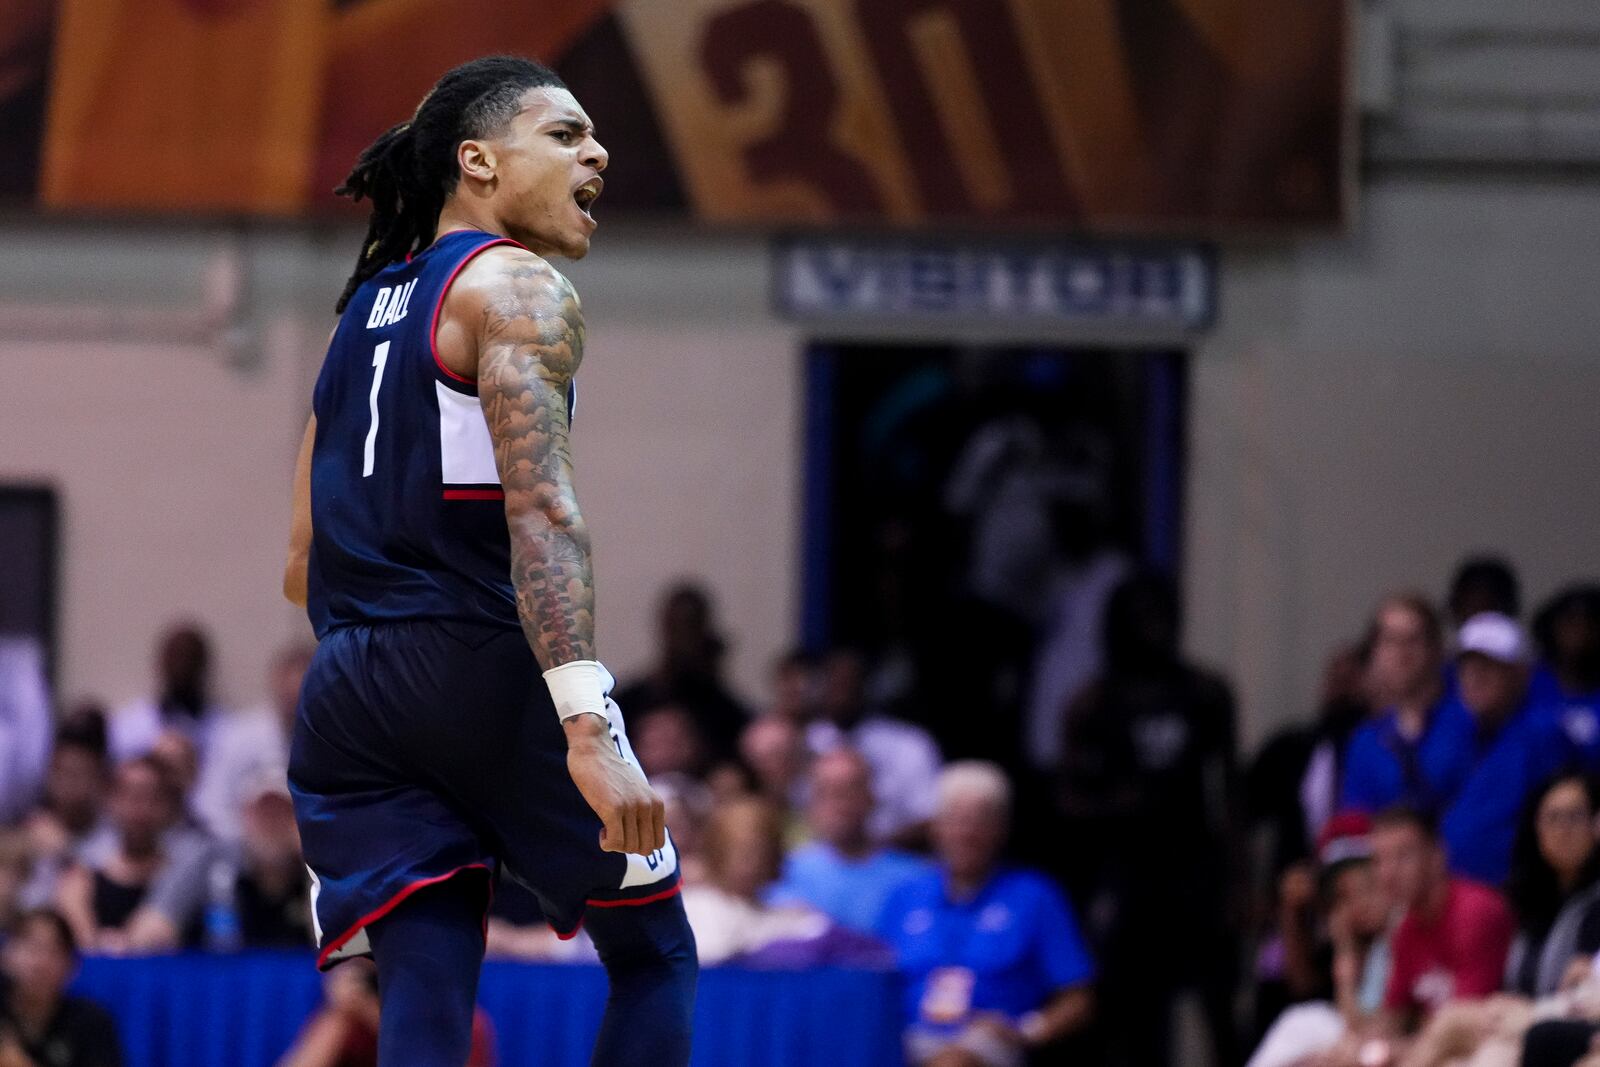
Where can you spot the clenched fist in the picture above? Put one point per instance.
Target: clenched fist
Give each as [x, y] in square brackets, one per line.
[633, 816]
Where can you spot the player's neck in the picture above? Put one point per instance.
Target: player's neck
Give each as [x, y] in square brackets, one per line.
[457, 216]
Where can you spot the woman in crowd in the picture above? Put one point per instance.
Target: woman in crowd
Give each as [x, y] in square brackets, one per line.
[1555, 894]
[1555, 888]
[40, 1024]
[144, 887]
[743, 854]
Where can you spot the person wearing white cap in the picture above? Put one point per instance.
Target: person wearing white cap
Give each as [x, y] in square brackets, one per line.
[1519, 745]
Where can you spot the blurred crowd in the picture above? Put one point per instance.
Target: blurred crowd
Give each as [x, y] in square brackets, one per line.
[1410, 876]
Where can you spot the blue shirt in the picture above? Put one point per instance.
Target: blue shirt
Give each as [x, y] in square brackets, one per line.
[851, 892]
[1578, 713]
[1382, 768]
[1007, 949]
[1508, 765]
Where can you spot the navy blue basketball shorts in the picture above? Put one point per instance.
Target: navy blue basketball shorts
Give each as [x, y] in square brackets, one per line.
[428, 750]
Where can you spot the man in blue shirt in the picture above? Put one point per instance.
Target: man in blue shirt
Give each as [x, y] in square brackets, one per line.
[1568, 633]
[1519, 744]
[1418, 751]
[841, 873]
[994, 963]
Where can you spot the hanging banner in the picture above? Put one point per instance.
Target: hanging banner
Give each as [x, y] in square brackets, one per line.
[1107, 116]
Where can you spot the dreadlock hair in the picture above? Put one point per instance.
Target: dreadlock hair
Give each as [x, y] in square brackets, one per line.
[409, 171]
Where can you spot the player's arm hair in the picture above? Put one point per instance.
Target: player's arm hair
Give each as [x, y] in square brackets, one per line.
[294, 571]
[530, 342]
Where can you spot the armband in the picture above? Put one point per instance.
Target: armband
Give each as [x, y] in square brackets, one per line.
[578, 688]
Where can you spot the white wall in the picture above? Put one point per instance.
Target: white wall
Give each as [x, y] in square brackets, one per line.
[1367, 410]
[1374, 408]
[174, 464]
[172, 469]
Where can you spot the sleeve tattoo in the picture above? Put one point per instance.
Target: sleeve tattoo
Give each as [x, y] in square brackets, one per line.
[531, 345]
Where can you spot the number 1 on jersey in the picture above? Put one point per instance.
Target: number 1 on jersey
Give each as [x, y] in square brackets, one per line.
[380, 357]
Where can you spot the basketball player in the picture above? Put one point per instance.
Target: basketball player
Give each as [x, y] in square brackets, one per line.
[439, 549]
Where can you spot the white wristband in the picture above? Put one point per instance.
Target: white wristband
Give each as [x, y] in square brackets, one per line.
[578, 688]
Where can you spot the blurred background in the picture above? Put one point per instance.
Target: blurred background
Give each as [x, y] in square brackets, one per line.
[1040, 457]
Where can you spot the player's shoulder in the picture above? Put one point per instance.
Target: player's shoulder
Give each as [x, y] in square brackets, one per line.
[511, 276]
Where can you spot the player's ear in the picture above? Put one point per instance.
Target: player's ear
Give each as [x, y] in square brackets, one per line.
[477, 160]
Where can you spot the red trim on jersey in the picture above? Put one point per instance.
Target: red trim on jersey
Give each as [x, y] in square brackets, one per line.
[433, 326]
[394, 902]
[570, 934]
[634, 902]
[474, 494]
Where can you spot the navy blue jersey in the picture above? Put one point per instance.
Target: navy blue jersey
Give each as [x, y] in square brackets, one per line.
[407, 511]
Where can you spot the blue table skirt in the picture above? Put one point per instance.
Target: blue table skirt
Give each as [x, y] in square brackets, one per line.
[245, 1010]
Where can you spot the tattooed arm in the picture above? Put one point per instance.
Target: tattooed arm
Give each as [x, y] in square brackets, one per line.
[530, 345]
[524, 330]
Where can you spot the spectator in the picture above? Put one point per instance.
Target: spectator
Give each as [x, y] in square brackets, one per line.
[71, 812]
[667, 740]
[182, 699]
[794, 687]
[267, 878]
[1419, 749]
[344, 1031]
[1555, 887]
[774, 749]
[904, 758]
[24, 725]
[40, 1025]
[1517, 746]
[1149, 786]
[1568, 633]
[1557, 905]
[1484, 583]
[688, 809]
[1341, 957]
[140, 888]
[178, 756]
[1071, 649]
[688, 671]
[841, 872]
[1481, 583]
[992, 956]
[1454, 936]
[247, 742]
[1292, 787]
[729, 912]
